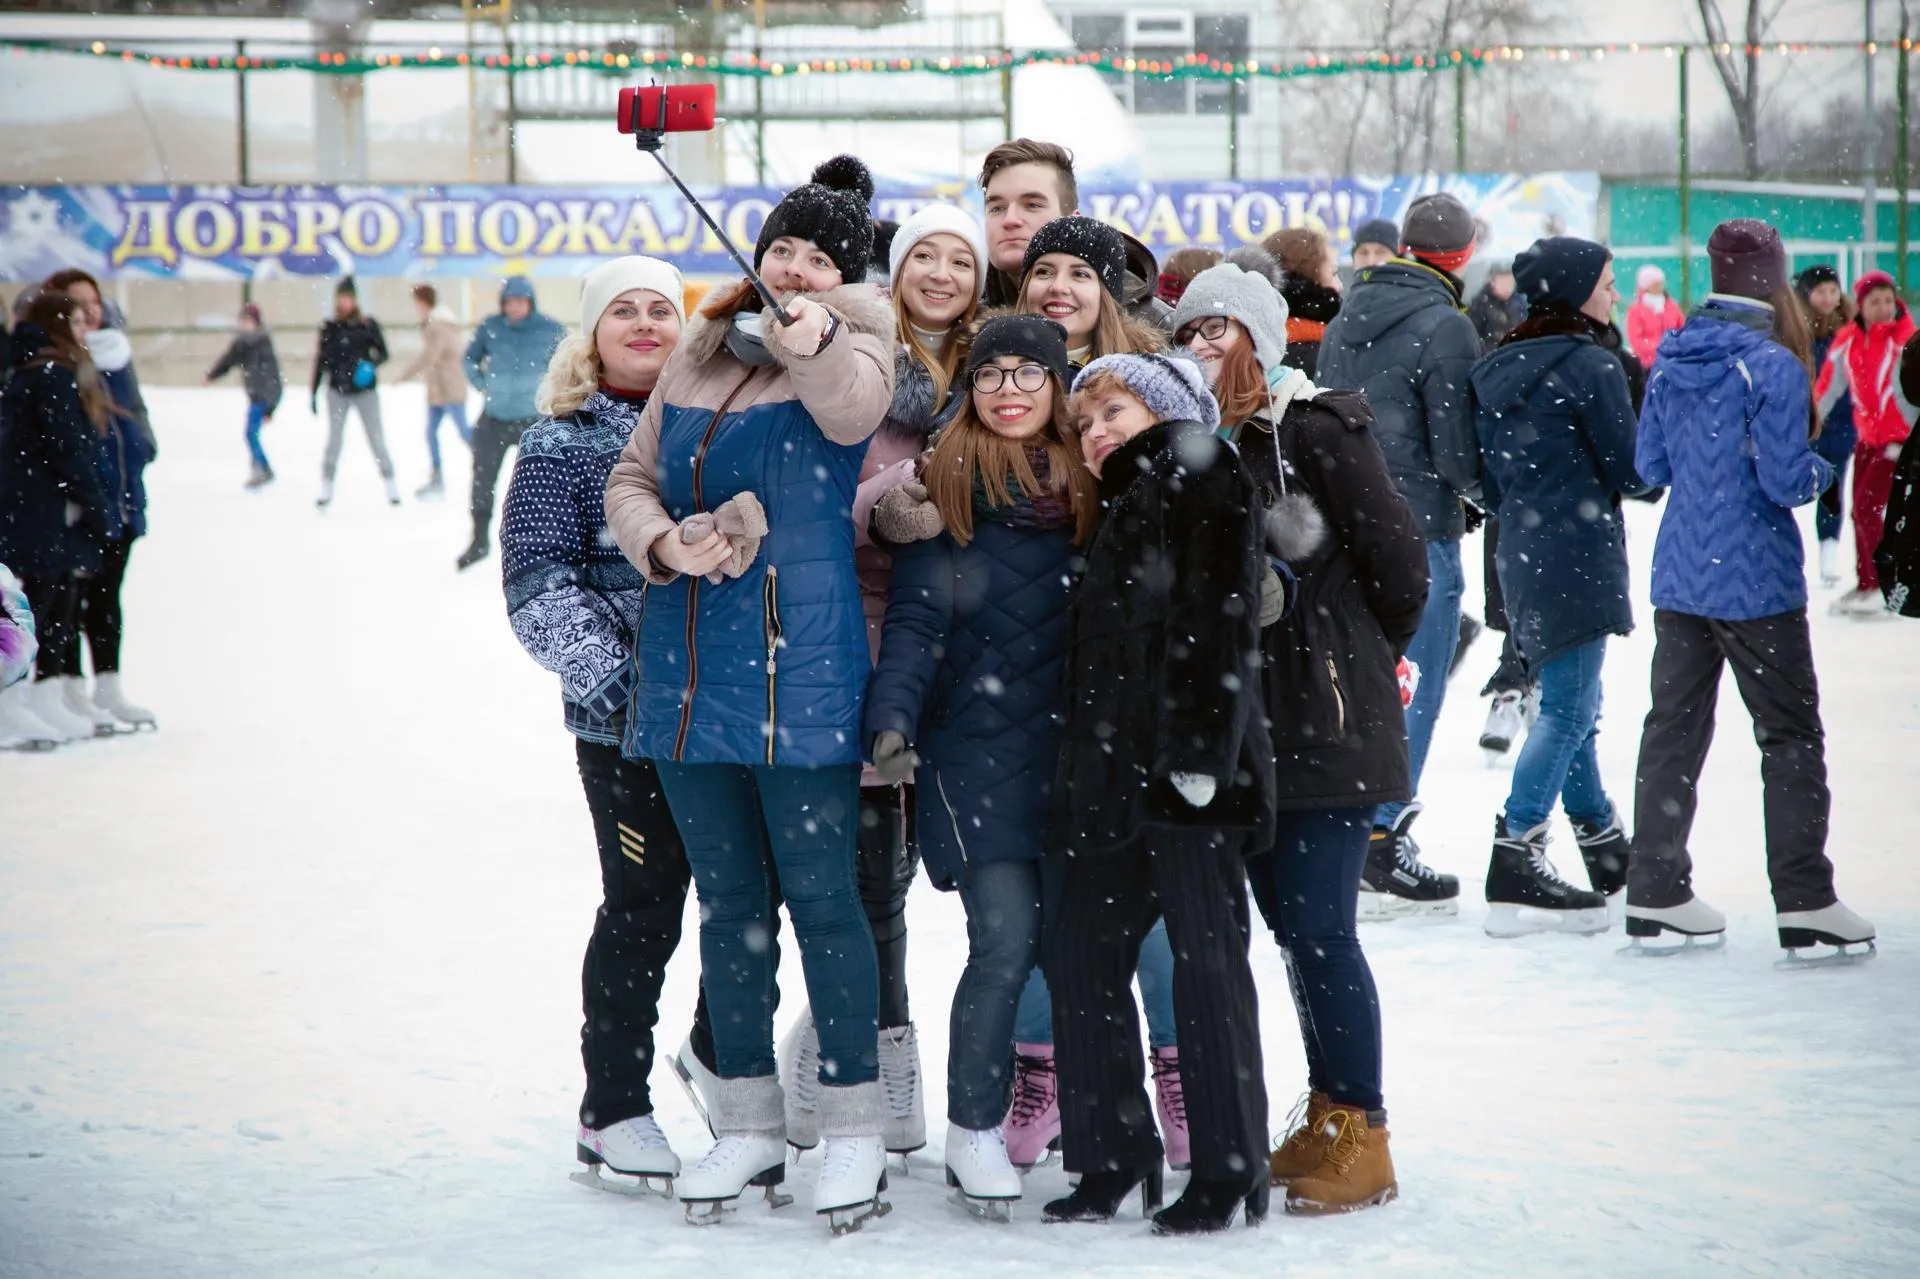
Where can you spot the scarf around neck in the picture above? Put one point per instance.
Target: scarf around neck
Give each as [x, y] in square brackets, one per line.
[1044, 511]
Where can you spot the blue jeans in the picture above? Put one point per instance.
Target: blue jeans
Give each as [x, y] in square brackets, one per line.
[1155, 974]
[1308, 889]
[458, 412]
[1559, 761]
[256, 417]
[736, 820]
[1829, 515]
[1432, 651]
[1002, 901]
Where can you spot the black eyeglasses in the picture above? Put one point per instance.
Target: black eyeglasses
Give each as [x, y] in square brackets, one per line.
[989, 378]
[1212, 328]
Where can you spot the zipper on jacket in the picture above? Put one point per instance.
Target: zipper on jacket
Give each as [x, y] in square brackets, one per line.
[693, 586]
[953, 819]
[771, 595]
[1339, 698]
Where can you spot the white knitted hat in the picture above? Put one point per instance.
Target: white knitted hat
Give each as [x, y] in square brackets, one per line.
[610, 279]
[933, 220]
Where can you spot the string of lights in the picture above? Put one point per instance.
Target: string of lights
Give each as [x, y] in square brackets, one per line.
[1192, 66]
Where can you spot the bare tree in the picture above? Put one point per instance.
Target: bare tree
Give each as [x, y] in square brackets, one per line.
[1739, 68]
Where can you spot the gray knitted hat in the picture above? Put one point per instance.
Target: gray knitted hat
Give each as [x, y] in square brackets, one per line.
[1171, 386]
[1239, 295]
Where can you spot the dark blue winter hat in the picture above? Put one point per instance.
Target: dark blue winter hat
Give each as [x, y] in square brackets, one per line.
[1378, 231]
[1560, 269]
[829, 212]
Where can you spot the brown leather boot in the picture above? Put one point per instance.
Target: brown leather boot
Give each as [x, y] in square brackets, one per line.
[1299, 1154]
[1356, 1170]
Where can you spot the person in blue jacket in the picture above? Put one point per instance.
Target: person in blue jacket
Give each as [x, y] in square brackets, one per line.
[735, 495]
[969, 694]
[121, 459]
[1726, 424]
[1555, 418]
[505, 361]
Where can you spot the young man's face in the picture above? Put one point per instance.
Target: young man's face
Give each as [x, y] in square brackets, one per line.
[1370, 254]
[1021, 199]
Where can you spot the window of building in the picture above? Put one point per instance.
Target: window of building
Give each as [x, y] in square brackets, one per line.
[1166, 35]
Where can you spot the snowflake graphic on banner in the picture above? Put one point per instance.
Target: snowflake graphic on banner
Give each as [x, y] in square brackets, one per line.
[33, 217]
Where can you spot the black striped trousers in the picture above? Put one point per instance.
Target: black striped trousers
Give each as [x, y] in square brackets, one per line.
[1196, 879]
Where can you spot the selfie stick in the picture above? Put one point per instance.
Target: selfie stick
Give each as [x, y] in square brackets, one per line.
[651, 139]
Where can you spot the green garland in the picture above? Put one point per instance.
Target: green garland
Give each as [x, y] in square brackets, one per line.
[1195, 66]
[1191, 67]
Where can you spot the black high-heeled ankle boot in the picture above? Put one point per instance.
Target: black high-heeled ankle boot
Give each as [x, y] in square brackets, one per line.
[1099, 1195]
[1209, 1207]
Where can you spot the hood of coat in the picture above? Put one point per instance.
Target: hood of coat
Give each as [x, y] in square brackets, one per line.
[1695, 358]
[1308, 300]
[1390, 294]
[1510, 377]
[31, 345]
[861, 307]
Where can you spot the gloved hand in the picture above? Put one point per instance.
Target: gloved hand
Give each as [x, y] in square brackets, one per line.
[906, 515]
[1474, 516]
[1409, 673]
[1277, 586]
[892, 758]
[1196, 788]
[741, 520]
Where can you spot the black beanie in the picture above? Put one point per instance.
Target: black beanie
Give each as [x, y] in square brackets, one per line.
[346, 288]
[1815, 276]
[1562, 269]
[1031, 337]
[829, 212]
[1093, 242]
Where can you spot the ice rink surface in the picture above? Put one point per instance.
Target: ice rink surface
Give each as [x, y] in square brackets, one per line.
[291, 986]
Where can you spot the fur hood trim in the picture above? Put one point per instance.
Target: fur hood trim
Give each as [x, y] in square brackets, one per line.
[861, 307]
[912, 413]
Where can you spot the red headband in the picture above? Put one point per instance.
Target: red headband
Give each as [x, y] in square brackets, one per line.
[1448, 260]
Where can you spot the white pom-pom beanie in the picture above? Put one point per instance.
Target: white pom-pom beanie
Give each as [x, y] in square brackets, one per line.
[937, 219]
[610, 279]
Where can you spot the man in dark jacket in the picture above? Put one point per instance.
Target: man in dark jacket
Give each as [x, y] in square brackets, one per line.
[352, 347]
[1556, 426]
[1402, 338]
[252, 350]
[505, 362]
[1493, 311]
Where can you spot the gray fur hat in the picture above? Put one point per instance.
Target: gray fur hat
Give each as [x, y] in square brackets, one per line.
[1240, 295]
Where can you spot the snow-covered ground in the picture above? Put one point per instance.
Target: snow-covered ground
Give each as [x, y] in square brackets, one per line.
[291, 987]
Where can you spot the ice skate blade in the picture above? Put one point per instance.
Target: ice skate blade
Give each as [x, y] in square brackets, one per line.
[707, 1212]
[846, 1220]
[32, 746]
[685, 1077]
[601, 1177]
[997, 1211]
[1689, 944]
[1309, 1208]
[1391, 908]
[1842, 955]
[1507, 921]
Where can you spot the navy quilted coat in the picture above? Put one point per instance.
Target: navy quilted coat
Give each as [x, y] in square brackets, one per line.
[1725, 425]
[1556, 427]
[972, 674]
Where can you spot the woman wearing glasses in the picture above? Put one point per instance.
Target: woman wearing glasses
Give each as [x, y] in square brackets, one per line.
[968, 694]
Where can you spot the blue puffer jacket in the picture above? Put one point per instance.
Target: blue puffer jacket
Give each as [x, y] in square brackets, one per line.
[1402, 338]
[572, 598]
[972, 674]
[770, 667]
[1556, 425]
[507, 358]
[1725, 426]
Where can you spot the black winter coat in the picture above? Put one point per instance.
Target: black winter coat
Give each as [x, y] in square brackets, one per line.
[343, 344]
[1402, 338]
[1163, 673]
[971, 673]
[1334, 515]
[1492, 318]
[47, 447]
[259, 367]
[1897, 560]
[1557, 427]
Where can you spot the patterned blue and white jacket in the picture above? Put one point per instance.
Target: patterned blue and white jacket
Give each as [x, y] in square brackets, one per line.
[572, 597]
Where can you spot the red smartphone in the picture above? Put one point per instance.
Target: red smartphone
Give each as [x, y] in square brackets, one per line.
[678, 108]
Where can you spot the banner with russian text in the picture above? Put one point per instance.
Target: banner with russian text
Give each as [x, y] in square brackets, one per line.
[238, 233]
